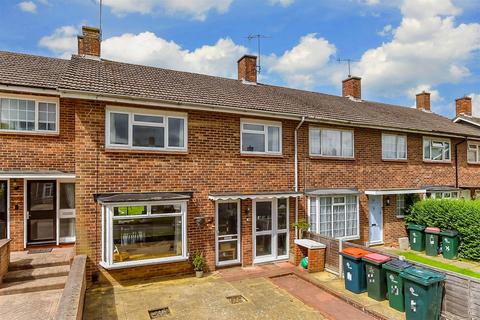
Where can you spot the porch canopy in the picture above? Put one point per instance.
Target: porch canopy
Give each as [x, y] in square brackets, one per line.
[120, 197]
[332, 191]
[36, 174]
[382, 192]
[441, 188]
[215, 196]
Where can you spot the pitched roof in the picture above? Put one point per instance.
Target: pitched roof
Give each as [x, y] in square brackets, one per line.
[468, 120]
[31, 71]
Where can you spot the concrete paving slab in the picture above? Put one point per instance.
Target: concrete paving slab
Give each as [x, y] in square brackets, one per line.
[35, 305]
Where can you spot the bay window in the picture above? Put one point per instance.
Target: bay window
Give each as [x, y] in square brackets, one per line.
[331, 142]
[143, 233]
[145, 130]
[28, 115]
[261, 137]
[334, 216]
[436, 149]
[394, 147]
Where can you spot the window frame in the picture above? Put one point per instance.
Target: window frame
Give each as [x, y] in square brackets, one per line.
[266, 124]
[332, 197]
[107, 232]
[400, 199]
[321, 155]
[433, 194]
[396, 135]
[438, 140]
[37, 100]
[477, 146]
[131, 112]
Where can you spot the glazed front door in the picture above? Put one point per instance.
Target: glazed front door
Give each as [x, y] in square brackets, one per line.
[228, 233]
[41, 211]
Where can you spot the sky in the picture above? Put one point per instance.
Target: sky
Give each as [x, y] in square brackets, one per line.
[399, 47]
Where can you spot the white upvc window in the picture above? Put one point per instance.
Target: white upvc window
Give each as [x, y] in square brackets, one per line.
[400, 209]
[334, 216]
[473, 152]
[260, 137]
[136, 234]
[394, 146]
[128, 128]
[436, 149]
[329, 142]
[19, 114]
[443, 195]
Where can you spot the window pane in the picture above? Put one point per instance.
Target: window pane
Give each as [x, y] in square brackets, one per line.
[166, 208]
[140, 239]
[351, 217]
[118, 128]
[47, 116]
[144, 118]
[146, 136]
[339, 221]
[313, 215]
[67, 195]
[263, 216]
[176, 132]
[253, 142]
[325, 216]
[331, 143]
[256, 127]
[17, 114]
[264, 245]
[472, 153]
[446, 150]
[282, 244]
[315, 145]
[437, 151]
[129, 211]
[426, 149]
[274, 139]
[228, 219]
[401, 147]
[389, 147]
[347, 144]
[282, 214]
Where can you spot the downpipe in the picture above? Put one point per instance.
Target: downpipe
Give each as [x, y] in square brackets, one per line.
[296, 173]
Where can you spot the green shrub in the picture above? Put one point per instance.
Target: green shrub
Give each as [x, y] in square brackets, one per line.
[460, 215]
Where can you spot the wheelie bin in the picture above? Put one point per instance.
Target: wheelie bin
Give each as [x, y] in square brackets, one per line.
[416, 237]
[354, 269]
[395, 295]
[376, 280]
[423, 293]
[450, 243]
[432, 243]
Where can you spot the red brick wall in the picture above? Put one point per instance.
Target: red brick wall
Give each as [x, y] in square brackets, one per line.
[393, 227]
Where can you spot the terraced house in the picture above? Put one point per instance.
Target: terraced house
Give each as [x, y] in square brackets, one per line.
[140, 166]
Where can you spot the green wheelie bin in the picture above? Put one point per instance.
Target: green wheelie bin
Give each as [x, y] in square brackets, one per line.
[354, 269]
[432, 241]
[423, 293]
[450, 243]
[395, 295]
[416, 237]
[376, 280]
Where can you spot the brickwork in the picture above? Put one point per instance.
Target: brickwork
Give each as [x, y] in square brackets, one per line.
[89, 42]
[463, 106]
[352, 87]
[247, 68]
[393, 227]
[316, 258]
[17, 214]
[4, 257]
[423, 101]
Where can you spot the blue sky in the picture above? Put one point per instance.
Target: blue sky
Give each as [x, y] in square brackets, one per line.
[402, 46]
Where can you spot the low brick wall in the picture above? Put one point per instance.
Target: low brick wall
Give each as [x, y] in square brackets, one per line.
[73, 297]
[4, 257]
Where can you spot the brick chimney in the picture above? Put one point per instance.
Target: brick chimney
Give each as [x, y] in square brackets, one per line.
[352, 87]
[89, 42]
[247, 68]
[464, 106]
[423, 101]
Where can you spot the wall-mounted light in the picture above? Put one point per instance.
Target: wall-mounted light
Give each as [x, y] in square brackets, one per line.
[14, 184]
[387, 201]
[200, 221]
[247, 211]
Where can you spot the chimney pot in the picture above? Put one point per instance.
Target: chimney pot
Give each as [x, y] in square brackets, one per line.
[463, 106]
[89, 42]
[423, 101]
[247, 68]
[352, 87]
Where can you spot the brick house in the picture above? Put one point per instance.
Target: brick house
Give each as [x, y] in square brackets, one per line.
[140, 167]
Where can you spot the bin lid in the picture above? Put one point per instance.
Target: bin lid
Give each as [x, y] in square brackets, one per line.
[376, 258]
[422, 276]
[432, 230]
[397, 265]
[355, 252]
[449, 233]
[412, 226]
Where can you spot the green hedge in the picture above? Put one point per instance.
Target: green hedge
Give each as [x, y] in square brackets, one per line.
[460, 215]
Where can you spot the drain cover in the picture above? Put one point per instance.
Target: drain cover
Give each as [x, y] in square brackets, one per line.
[158, 313]
[236, 299]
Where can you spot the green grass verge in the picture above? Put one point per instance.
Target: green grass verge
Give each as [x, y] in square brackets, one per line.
[437, 264]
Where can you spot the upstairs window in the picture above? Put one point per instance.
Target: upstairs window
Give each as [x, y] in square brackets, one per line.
[28, 115]
[331, 142]
[473, 152]
[146, 130]
[394, 147]
[261, 137]
[436, 149]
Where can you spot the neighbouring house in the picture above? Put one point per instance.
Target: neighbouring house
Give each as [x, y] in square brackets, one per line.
[140, 167]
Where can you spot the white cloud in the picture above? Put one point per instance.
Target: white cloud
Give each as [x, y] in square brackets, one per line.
[304, 65]
[386, 31]
[197, 9]
[63, 41]
[28, 6]
[283, 3]
[434, 94]
[475, 104]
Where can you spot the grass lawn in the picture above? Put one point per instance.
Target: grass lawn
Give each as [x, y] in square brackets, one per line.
[437, 264]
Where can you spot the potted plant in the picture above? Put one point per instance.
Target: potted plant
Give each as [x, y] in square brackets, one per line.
[301, 225]
[198, 264]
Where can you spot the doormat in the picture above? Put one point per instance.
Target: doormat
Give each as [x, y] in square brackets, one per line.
[33, 251]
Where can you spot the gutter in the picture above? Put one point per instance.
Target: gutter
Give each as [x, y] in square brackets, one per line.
[296, 172]
[456, 160]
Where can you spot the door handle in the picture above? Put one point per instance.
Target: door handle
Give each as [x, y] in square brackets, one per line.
[28, 215]
[374, 225]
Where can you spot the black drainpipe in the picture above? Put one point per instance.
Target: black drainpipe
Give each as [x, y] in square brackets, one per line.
[456, 160]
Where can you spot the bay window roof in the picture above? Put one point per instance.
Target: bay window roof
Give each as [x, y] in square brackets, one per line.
[120, 197]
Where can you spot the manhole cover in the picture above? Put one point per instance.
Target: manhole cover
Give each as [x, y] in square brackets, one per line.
[236, 299]
[158, 313]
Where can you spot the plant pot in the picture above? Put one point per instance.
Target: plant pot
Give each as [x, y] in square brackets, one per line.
[199, 274]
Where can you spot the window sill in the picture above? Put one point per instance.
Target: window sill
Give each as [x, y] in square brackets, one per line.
[395, 160]
[474, 163]
[261, 155]
[437, 162]
[132, 264]
[30, 133]
[127, 150]
[318, 157]
[400, 217]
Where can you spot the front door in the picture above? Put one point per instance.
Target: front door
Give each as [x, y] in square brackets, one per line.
[3, 210]
[41, 211]
[228, 233]
[270, 226]
[375, 219]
